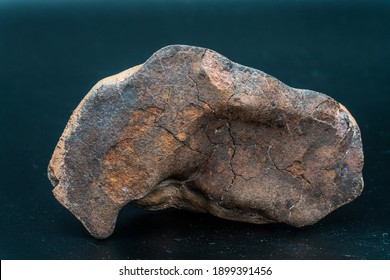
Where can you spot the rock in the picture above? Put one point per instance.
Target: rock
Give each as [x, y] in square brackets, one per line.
[192, 130]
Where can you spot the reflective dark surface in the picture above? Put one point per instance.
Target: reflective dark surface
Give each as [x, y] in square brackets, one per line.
[52, 54]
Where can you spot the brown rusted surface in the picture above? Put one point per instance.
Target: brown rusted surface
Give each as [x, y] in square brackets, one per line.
[192, 130]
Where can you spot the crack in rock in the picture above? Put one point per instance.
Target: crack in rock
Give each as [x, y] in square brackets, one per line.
[232, 156]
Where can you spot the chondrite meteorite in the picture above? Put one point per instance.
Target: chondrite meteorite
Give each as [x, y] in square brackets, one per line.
[190, 129]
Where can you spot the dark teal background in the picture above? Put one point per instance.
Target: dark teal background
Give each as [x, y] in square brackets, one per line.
[53, 52]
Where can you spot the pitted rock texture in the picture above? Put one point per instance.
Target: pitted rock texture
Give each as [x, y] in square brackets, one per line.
[192, 130]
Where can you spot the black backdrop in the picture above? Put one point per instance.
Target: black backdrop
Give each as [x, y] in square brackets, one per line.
[52, 53]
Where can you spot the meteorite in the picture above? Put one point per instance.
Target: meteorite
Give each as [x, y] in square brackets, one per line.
[193, 130]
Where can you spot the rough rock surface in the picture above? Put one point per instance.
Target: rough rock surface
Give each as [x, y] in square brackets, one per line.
[190, 129]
